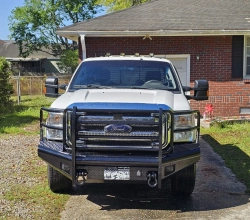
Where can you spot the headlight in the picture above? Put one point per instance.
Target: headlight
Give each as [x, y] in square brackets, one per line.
[165, 128]
[56, 120]
[184, 121]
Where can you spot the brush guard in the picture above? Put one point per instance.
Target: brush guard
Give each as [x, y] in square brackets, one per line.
[68, 154]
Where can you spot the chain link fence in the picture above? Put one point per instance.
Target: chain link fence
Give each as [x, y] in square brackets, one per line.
[33, 85]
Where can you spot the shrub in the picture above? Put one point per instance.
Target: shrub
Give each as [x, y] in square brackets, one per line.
[6, 88]
[68, 61]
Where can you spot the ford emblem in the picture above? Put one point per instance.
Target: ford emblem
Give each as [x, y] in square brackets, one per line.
[118, 128]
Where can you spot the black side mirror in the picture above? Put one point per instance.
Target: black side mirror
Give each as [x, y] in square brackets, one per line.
[63, 86]
[51, 85]
[200, 90]
[186, 88]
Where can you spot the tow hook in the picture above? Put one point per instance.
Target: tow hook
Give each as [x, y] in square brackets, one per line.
[152, 179]
[81, 177]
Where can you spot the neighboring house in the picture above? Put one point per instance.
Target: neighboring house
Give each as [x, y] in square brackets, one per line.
[38, 63]
[205, 39]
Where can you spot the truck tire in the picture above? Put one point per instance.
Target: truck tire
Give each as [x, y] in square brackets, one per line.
[58, 183]
[183, 182]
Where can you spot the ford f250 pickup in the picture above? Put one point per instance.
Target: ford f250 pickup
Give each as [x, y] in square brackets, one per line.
[122, 120]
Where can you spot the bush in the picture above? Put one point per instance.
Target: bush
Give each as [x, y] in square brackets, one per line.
[6, 88]
[68, 61]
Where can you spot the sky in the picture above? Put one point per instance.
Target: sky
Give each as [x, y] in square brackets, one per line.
[6, 6]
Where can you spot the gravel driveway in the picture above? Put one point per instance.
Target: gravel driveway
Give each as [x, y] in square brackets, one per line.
[15, 160]
[217, 195]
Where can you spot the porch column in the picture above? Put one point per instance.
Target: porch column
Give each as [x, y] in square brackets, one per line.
[83, 46]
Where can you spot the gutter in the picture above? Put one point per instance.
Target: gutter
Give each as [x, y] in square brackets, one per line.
[73, 35]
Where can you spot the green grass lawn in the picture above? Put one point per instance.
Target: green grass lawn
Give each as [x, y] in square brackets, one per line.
[232, 143]
[23, 118]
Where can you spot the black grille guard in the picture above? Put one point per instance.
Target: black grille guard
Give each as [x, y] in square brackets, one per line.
[153, 161]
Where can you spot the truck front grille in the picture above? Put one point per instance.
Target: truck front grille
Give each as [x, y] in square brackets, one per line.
[129, 131]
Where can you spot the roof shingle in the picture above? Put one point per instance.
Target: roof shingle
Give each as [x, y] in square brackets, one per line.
[173, 15]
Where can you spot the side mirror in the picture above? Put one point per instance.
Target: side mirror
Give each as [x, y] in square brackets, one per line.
[200, 90]
[186, 88]
[63, 86]
[51, 85]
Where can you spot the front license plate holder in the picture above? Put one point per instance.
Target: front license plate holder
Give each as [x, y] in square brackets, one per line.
[116, 173]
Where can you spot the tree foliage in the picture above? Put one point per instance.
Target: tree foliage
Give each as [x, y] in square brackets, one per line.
[68, 61]
[5, 87]
[116, 5]
[33, 26]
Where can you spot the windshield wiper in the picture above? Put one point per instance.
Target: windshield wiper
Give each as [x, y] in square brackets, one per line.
[91, 86]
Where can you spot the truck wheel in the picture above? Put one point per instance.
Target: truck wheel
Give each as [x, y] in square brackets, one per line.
[183, 182]
[57, 182]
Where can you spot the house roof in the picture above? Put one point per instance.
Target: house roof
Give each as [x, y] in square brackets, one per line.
[1, 42]
[10, 51]
[169, 17]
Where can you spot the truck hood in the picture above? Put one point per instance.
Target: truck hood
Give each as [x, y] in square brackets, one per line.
[130, 97]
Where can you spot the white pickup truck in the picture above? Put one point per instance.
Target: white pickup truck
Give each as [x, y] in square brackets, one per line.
[122, 119]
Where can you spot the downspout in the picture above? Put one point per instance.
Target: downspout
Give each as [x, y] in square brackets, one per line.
[83, 46]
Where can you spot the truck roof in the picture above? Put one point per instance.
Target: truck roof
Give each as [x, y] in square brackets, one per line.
[127, 58]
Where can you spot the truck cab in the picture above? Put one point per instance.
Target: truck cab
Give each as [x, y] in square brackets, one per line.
[122, 120]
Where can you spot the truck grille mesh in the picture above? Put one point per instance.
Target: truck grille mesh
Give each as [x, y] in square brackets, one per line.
[113, 131]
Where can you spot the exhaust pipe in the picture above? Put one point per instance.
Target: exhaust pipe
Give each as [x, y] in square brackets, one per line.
[152, 179]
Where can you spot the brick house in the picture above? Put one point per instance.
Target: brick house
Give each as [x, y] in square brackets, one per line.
[205, 39]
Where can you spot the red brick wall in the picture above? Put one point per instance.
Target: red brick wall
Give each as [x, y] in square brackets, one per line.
[226, 94]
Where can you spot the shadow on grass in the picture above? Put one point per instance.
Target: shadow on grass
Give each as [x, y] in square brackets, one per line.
[13, 120]
[235, 159]
[9, 109]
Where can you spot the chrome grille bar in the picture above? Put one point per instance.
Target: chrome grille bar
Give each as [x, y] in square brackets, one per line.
[131, 134]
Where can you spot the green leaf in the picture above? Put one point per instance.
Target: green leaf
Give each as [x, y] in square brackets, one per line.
[5, 86]
[33, 26]
[120, 4]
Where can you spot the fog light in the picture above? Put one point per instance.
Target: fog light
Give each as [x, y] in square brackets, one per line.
[65, 167]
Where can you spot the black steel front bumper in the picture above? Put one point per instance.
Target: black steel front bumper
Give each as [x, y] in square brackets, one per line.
[163, 161]
[183, 156]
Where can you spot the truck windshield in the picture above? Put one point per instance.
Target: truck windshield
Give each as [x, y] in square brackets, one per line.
[141, 74]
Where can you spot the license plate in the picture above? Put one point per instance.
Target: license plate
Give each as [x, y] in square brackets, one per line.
[116, 173]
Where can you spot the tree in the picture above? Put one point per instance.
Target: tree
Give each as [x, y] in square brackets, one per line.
[5, 87]
[33, 26]
[116, 5]
[68, 61]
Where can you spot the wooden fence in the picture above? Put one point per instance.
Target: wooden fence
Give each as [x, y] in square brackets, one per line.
[33, 85]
